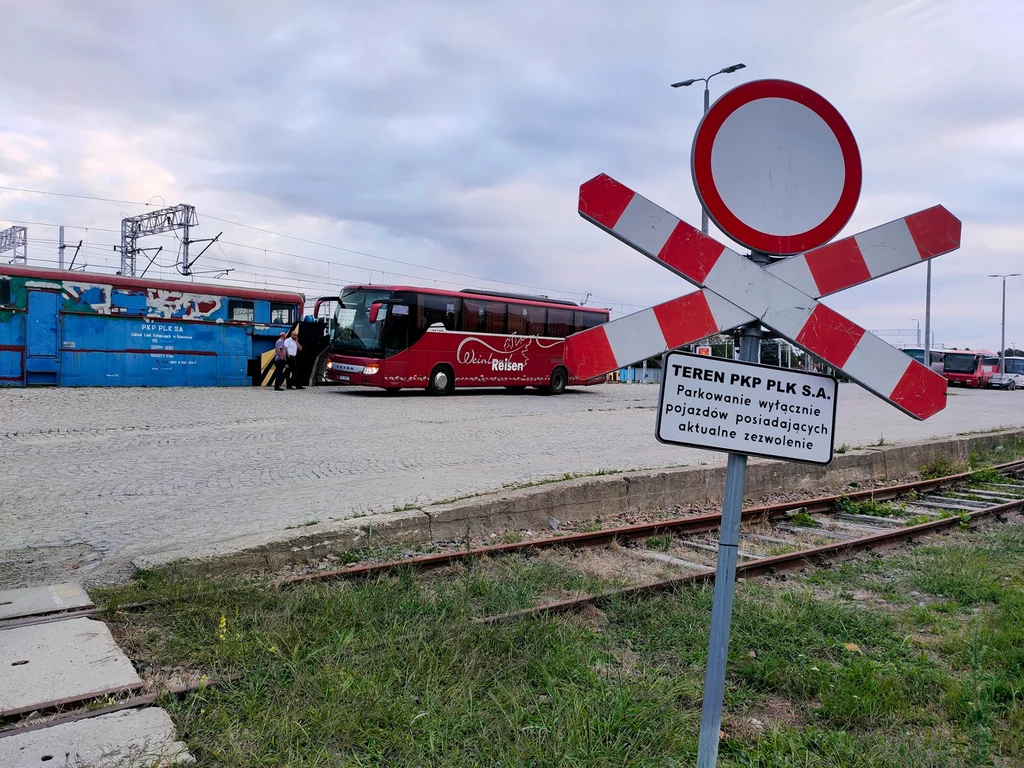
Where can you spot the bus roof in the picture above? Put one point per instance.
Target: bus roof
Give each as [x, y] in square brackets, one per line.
[540, 300]
[227, 290]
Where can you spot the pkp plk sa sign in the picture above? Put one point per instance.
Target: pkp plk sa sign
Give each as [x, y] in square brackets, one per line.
[757, 410]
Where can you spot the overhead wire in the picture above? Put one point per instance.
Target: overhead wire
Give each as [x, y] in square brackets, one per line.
[312, 242]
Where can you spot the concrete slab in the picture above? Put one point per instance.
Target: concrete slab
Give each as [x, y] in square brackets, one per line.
[133, 738]
[35, 601]
[60, 662]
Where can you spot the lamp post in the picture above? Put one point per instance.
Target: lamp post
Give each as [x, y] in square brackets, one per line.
[919, 334]
[1002, 335]
[707, 103]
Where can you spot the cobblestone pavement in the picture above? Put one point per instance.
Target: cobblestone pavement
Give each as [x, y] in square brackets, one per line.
[95, 477]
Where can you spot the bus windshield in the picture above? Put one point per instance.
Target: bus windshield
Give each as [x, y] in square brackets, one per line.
[960, 363]
[353, 331]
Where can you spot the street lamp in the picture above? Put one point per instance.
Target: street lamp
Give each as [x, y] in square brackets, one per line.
[1002, 336]
[707, 103]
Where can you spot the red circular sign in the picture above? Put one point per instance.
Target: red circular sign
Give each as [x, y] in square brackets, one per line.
[776, 167]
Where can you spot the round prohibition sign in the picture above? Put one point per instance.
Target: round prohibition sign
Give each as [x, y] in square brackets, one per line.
[776, 167]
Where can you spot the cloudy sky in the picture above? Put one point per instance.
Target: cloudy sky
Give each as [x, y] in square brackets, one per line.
[444, 143]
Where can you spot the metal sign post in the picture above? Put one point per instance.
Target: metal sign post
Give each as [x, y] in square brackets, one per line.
[725, 580]
[778, 170]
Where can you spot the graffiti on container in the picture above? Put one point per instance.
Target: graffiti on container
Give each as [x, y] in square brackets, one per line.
[178, 304]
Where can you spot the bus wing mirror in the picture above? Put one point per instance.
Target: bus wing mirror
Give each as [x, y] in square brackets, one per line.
[374, 311]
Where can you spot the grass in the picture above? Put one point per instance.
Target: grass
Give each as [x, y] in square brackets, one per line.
[803, 520]
[869, 507]
[928, 672]
[302, 525]
[942, 468]
[660, 543]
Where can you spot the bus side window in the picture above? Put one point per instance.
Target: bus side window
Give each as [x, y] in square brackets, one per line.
[436, 309]
[536, 317]
[517, 316]
[559, 322]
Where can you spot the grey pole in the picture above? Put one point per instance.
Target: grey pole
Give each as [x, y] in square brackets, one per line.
[707, 104]
[928, 317]
[703, 210]
[1002, 334]
[60, 247]
[725, 574]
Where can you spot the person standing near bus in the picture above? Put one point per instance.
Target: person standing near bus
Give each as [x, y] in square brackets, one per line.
[292, 346]
[280, 361]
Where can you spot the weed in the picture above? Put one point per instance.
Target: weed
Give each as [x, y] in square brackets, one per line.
[512, 537]
[661, 543]
[984, 476]
[943, 468]
[844, 448]
[802, 519]
[301, 525]
[882, 441]
[868, 507]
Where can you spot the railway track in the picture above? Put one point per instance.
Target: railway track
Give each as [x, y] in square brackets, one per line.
[775, 538]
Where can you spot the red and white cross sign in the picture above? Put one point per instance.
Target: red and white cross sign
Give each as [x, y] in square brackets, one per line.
[782, 296]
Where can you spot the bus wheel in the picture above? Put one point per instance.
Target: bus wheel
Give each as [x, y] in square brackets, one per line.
[442, 381]
[559, 381]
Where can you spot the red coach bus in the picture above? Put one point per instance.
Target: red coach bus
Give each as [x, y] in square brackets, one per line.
[970, 367]
[399, 336]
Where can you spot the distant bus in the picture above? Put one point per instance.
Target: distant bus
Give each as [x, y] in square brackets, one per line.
[1011, 378]
[64, 328]
[970, 367]
[400, 336]
[935, 355]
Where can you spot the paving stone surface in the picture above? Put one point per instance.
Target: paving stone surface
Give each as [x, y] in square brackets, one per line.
[60, 661]
[93, 478]
[34, 601]
[133, 738]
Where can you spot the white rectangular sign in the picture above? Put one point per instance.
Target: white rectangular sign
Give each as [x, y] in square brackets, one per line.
[758, 410]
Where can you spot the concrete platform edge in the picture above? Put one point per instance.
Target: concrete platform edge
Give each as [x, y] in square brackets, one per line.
[579, 499]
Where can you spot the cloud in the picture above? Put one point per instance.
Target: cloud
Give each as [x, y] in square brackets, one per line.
[455, 135]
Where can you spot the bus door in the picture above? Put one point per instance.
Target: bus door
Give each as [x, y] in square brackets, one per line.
[396, 343]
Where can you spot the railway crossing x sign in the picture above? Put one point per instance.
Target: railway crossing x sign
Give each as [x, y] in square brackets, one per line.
[782, 296]
[778, 169]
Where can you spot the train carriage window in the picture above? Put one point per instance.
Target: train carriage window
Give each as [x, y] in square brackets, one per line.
[282, 314]
[5, 291]
[559, 322]
[241, 311]
[592, 319]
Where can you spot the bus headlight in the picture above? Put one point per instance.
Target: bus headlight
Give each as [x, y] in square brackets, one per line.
[330, 365]
[369, 370]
